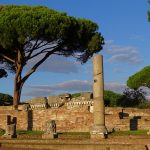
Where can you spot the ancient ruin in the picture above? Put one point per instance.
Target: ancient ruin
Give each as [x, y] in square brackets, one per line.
[67, 113]
[99, 129]
[50, 130]
[10, 127]
[85, 113]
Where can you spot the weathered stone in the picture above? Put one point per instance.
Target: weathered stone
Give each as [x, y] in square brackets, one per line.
[87, 95]
[98, 129]
[65, 97]
[10, 131]
[50, 130]
[10, 128]
[37, 100]
[50, 136]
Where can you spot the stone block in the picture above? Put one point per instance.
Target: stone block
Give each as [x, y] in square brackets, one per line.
[98, 132]
[50, 136]
[10, 131]
[98, 136]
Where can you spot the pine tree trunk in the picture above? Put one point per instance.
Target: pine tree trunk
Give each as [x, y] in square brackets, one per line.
[17, 94]
[18, 81]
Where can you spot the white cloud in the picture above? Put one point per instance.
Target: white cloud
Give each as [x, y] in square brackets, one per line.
[115, 86]
[37, 93]
[56, 64]
[68, 86]
[128, 54]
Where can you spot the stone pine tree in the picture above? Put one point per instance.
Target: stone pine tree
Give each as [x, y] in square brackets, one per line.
[141, 78]
[38, 32]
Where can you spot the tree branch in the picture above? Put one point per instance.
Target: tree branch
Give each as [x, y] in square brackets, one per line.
[41, 45]
[33, 48]
[7, 58]
[43, 51]
[33, 69]
[37, 45]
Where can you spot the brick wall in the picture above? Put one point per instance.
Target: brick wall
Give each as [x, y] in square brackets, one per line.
[66, 120]
[77, 119]
[22, 118]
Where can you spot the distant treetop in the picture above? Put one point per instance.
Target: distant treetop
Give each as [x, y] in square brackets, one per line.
[141, 78]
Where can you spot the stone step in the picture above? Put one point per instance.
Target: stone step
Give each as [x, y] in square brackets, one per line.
[68, 146]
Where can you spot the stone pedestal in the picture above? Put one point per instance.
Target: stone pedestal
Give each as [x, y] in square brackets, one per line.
[10, 131]
[98, 130]
[50, 130]
[50, 136]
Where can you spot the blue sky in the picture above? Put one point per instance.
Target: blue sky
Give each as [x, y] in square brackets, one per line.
[125, 27]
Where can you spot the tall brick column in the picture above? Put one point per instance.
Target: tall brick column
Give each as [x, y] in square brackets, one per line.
[98, 130]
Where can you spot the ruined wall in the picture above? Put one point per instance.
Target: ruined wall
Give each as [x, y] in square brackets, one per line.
[21, 116]
[77, 119]
[66, 119]
[127, 118]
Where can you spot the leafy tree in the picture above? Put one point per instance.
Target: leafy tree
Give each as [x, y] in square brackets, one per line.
[138, 94]
[111, 98]
[5, 99]
[132, 98]
[28, 33]
[141, 78]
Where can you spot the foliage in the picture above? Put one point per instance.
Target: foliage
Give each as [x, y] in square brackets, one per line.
[3, 73]
[141, 78]
[132, 98]
[75, 95]
[111, 98]
[36, 32]
[5, 99]
[129, 98]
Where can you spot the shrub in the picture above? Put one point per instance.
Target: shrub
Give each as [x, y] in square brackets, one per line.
[5, 99]
[111, 98]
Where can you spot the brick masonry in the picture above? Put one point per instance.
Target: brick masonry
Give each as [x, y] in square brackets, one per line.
[77, 119]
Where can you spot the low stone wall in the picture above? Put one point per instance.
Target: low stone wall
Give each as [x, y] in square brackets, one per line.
[66, 119]
[21, 116]
[78, 119]
[127, 118]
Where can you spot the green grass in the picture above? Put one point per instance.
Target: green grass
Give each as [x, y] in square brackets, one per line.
[136, 132]
[74, 133]
[23, 132]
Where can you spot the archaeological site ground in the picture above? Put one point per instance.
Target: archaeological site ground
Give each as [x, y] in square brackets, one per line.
[64, 122]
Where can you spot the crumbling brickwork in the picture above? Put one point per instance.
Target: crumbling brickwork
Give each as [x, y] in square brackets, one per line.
[78, 119]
